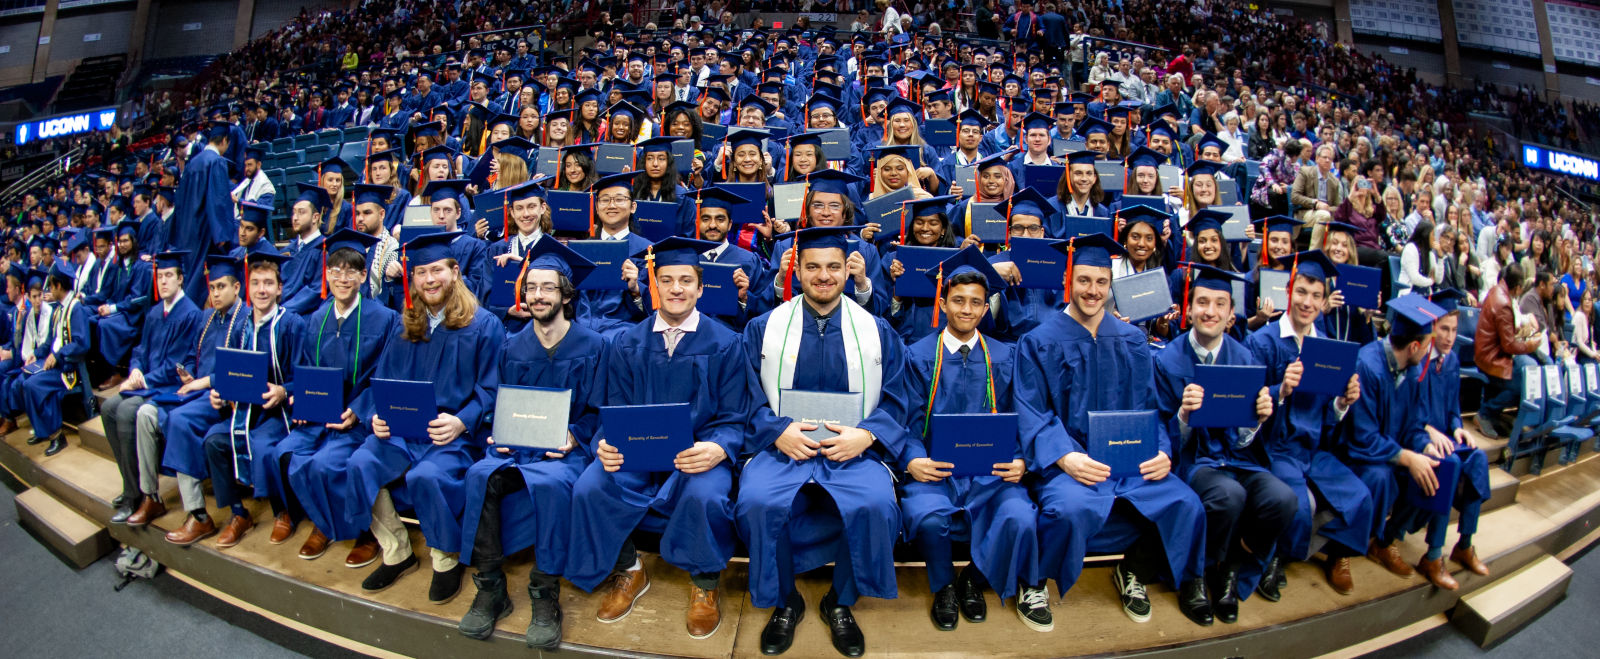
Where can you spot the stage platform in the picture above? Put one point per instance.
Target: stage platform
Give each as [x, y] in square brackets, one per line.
[1529, 519]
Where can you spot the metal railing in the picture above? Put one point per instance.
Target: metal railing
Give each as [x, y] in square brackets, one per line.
[48, 171]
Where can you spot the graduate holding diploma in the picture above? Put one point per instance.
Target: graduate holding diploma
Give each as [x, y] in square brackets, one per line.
[445, 337]
[675, 355]
[1247, 508]
[973, 373]
[1084, 360]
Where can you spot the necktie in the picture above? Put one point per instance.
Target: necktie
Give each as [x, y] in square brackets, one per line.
[965, 350]
[1210, 357]
[672, 335]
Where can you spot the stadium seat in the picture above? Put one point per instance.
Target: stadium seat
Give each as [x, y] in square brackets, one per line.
[1528, 428]
[356, 134]
[1394, 277]
[1569, 402]
[332, 136]
[354, 154]
[283, 145]
[316, 154]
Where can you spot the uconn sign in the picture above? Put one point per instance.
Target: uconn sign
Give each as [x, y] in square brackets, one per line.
[71, 124]
[1539, 157]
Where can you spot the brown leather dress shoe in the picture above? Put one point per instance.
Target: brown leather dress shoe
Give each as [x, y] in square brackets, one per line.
[282, 528]
[315, 546]
[1436, 572]
[234, 531]
[363, 553]
[705, 612]
[1339, 576]
[1468, 558]
[621, 591]
[7, 426]
[192, 531]
[149, 511]
[1389, 558]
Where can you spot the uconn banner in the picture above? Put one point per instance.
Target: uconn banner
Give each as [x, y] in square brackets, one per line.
[67, 124]
[1561, 162]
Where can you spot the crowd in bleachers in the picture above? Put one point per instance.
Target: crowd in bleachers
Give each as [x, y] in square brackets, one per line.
[738, 229]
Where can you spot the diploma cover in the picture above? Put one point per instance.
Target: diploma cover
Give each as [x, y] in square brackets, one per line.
[1230, 395]
[1328, 365]
[319, 394]
[820, 408]
[407, 406]
[974, 443]
[607, 256]
[1143, 296]
[531, 417]
[1123, 440]
[241, 375]
[648, 436]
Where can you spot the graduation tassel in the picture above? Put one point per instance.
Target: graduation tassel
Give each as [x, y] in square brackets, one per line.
[697, 218]
[1066, 277]
[505, 218]
[521, 276]
[591, 214]
[1183, 318]
[650, 269]
[405, 277]
[788, 272]
[902, 224]
[247, 276]
[1008, 220]
[938, 292]
[324, 269]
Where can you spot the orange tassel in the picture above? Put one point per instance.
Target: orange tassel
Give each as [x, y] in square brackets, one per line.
[591, 214]
[521, 276]
[1183, 318]
[788, 273]
[505, 218]
[324, 269]
[902, 224]
[938, 295]
[405, 277]
[650, 269]
[697, 218]
[1066, 278]
[246, 283]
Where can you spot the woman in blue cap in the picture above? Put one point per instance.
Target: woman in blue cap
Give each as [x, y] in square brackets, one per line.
[926, 225]
[658, 181]
[127, 292]
[828, 203]
[1341, 321]
[586, 123]
[387, 169]
[1079, 192]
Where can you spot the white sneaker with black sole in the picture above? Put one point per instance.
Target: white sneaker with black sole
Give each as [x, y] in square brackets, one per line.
[1033, 607]
[1135, 602]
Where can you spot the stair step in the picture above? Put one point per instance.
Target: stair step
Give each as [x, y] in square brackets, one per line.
[1494, 612]
[1502, 488]
[76, 538]
[93, 436]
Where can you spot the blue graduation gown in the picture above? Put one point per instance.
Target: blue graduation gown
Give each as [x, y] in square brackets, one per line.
[542, 519]
[1022, 309]
[185, 424]
[254, 431]
[1295, 441]
[862, 489]
[613, 312]
[203, 217]
[317, 469]
[1441, 399]
[998, 517]
[1388, 417]
[130, 288]
[1061, 376]
[152, 234]
[878, 305]
[1346, 323]
[395, 211]
[302, 277]
[693, 512]
[464, 366]
[169, 340]
[472, 255]
[44, 391]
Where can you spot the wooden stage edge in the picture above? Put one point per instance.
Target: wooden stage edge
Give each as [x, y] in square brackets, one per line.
[1557, 513]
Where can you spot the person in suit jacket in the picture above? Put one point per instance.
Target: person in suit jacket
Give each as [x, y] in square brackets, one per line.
[1316, 192]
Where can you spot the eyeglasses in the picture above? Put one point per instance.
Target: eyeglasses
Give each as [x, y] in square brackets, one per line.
[549, 289]
[613, 201]
[1027, 229]
[833, 206]
[345, 273]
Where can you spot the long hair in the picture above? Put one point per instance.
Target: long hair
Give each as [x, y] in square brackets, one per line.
[669, 184]
[1158, 257]
[585, 162]
[513, 171]
[459, 308]
[1189, 201]
[1064, 189]
[792, 174]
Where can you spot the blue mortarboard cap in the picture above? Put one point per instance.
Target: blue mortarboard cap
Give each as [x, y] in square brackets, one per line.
[1028, 201]
[255, 214]
[1161, 128]
[106, 233]
[1314, 264]
[1207, 218]
[677, 250]
[35, 277]
[1210, 140]
[970, 259]
[315, 195]
[348, 238]
[79, 240]
[823, 101]
[366, 193]
[822, 237]
[174, 259]
[657, 145]
[937, 95]
[218, 129]
[832, 181]
[584, 96]
[624, 107]
[1204, 168]
[715, 197]
[121, 204]
[903, 106]
[971, 118]
[757, 102]
[336, 164]
[1273, 223]
[437, 153]
[1413, 315]
[1145, 157]
[1095, 250]
[1163, 110]
[1092, 125]
[429, 248]
[742, 136]
[1116, 112]
[927, 206]
[1037, 120]
[1448, 299]
[446, 189]
[1217, 279]
[617, 180]
[524, 191]
[911, 152]
[1084, 157]
[17, 271]
[255, 152]
[1156, 218]
[514, 146]
[994, 160]
[1343, 227]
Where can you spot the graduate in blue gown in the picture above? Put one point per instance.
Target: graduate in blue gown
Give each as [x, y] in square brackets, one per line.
[156, 367]
[828, 205]
[31, 330]
[1303, 438]
[152, 236]
[1084, 197]
[676, 355]
[1277, 253]
[805, 503]
[612, 313]
[1440, 380]
[16, 307]
[126, 293]
[1208, 248]
[241, 449]
[203, 221]
[1342, 321]
[1247, 508]
[63, 358]
[303, 285]
[1084, 360]
[992, 512]
[447, 338]
[1392, 445]
[520, 497]
[254, 222]
[926, 225]
[523, 230]
[451, 207]
[714, 206]
[184, 422]
[658, 181]
[349, 332]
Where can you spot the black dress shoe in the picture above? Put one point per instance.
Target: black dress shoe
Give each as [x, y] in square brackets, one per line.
[842, 627]
[121, 500]
[944, 609]
[1195, 603]
[386, 575]
[1268, 588]
[34, 440]
[969, 594]
[778, 635]
[1225, 594]
[124, 507]
[57, 445]
[446, 584]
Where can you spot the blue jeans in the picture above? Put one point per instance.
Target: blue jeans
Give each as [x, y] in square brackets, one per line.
[1499, 394]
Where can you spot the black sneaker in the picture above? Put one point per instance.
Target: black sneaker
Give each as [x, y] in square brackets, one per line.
[1135, 602]
[446, 584]
[386, 575]
[544, 630]
[490, 605]
[1033, 607]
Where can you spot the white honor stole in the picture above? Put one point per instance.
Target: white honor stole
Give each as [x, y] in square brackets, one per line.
[863, 354]
[242, 424]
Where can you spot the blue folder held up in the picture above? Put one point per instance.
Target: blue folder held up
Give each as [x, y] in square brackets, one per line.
[241, 375]
[974, 443]
[1230, 395]
[1328, 365]
[1124, 440]
[407, 406]
[319, 394]
[647, 436]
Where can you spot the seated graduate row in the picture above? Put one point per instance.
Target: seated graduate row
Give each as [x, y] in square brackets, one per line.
[1080, 438]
